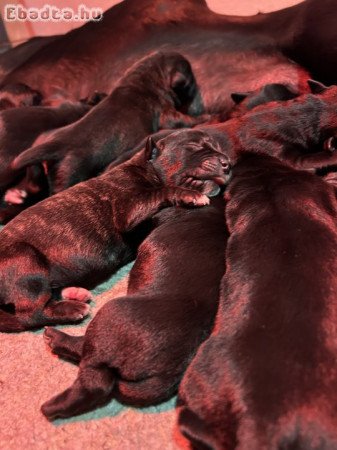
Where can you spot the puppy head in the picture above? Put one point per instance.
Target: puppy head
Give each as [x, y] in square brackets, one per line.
[327, 126]
[191, 159]
[180, 78]
[18, 95]
[246, 101]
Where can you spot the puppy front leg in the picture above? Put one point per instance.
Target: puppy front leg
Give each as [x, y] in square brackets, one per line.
[148, 204]
[175, 119]
[315, 160]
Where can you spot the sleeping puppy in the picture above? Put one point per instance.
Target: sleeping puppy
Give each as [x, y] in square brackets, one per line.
[20, 128]
[284, 130]
[301, 131]
[77, 237]
[138, 346]
[18, 95]
[266, 379]
[147, 98]
[273, 92]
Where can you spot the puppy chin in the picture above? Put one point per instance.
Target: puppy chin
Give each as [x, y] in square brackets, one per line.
[211, 189]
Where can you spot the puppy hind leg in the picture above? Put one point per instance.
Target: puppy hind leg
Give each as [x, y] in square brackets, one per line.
[92, 388]
[64, 345]
[33, 182]
[146, 392]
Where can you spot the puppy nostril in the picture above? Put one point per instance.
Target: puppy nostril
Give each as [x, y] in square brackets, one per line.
[226, 166]
[330, 144]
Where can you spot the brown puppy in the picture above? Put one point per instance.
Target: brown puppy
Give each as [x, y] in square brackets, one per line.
[20, 128]
[146, 99]
[137, 347]
[300, 131]
[18, 95]
[285, 130]
[77, 236]
[273, 92]
[266, 379]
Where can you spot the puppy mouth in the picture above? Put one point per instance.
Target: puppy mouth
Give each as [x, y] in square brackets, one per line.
[208, 184]
[212, 174]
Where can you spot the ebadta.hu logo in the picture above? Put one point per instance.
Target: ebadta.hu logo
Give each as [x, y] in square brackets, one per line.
[51, 13]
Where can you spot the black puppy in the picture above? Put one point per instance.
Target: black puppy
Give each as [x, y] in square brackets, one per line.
[77, 236]
[267, 376]
[21, 127]
[246, 101]
[18, 95]
[137, 347]
[147, 98]
[302, 131]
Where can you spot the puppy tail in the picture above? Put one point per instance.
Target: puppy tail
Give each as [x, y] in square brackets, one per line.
[48, 151]
[92, 388]
[9, 323]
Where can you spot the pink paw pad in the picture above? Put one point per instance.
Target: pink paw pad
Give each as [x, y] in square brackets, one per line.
[15, 196]
[76, 293]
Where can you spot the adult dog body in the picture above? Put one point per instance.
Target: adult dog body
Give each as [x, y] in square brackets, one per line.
[267, 376]
[77, 236]
[227, 54]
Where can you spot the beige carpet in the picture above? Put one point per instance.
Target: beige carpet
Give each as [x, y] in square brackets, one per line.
[30, 374]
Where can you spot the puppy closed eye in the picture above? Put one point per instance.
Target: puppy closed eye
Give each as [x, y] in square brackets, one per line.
[154, 154]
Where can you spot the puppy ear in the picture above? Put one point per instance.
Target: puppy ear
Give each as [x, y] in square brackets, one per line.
[195, 430]
[151, 151]
[317, 87]
[238, 97]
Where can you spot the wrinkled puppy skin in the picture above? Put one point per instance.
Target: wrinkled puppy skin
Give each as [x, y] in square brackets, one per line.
[18, 95]
[77, 237]
[146, 99]
[138, 346]
[266, 379]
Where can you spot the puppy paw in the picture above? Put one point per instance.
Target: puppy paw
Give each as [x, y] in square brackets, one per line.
[75, 310]
[189, 197]
[76, 293]
[66, 311]
[50, 336]
[15, 196]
